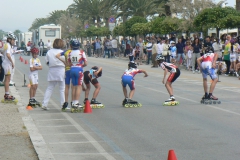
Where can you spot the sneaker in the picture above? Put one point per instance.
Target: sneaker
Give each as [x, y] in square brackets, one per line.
[226, 74]
[212, 97]
[11, 82]
[1, 83]
[193, 72]
[45, 108]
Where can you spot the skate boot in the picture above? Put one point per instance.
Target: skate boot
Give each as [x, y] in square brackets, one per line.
[204, 99]
[124, 101]
[9, 99]
[131, 103]
[85, 100]
[213, 99]
[171, 102]
[75, 108]
[96, 104]
[32, 103]
[37, 103]
[170, 99]
[65, 104]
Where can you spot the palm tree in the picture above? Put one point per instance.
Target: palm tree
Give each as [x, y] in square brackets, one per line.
[238, 5]
[55, 15]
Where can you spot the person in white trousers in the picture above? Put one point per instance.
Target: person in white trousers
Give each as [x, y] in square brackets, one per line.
[56, 73]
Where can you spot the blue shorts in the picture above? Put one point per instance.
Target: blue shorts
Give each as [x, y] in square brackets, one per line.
[76, 74]
[128, 80]
[67, 77]
[210, 72]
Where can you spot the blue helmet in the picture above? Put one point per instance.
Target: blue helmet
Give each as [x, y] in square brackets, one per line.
[75, 44]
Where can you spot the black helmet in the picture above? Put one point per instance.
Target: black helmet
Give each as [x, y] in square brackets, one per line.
[159, 58]
[132, 65]
[209, 50]
[75, 44]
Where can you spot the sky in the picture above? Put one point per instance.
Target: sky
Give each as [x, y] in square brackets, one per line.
[20, 14]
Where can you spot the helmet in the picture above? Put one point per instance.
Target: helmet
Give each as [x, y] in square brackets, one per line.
[137, 45]
[159, 58]
[4, 38]
[35, 50]
[132, 65]
[75, 44]
[96, 68]
[209, 50]
[11, 35]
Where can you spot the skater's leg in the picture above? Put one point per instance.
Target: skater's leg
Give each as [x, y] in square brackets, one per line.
[131, 93]
[66, 92]
[213, 84]
[88, 87]
[97, 89]
[169, 88]
[125, 91]
[48, 92]
[6, 83]
[205, 86]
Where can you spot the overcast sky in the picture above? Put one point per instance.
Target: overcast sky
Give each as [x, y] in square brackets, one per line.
[19, 14]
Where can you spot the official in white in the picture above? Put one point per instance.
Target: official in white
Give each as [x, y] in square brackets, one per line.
[56, 73]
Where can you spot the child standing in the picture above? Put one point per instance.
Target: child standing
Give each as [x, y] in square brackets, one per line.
[174, 74]
[35, 65]
[136, 53]
[173, 50]
[77, 58]
[189, 57]
[128, 79]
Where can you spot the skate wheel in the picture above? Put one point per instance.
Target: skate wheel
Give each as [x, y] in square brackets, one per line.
[139, 105]
[205, 102]
[126, 105]
[214, 102]
[131, 105]
[210, 102]
[219, 102]
[103, 106]
[98, 106]
[2, 101]
[72, 110]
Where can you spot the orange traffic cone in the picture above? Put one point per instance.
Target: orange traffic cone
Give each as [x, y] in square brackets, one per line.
[171, 155]
[88, 108]
[20, 58]
[26, 62]
[29, 108]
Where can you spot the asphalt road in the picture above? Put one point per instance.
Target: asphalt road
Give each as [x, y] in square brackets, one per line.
[194, 131]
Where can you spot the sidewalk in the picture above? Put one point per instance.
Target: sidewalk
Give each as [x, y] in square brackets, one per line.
[15, 141]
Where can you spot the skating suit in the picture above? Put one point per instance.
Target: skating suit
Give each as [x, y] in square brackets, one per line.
[33, 75]
[77, 59]
[206, 66]
[174, 71]
[7, 65]
[128, 77]
[67, 67]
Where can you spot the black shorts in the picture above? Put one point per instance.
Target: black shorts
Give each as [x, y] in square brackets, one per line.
[88, 79]
[174, 76]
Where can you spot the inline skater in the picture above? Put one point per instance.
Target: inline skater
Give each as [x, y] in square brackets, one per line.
[8, 65]
[128, 79]
[174, 74]
[77, 59]
[207, 65]
[91, 76]
[35, 65]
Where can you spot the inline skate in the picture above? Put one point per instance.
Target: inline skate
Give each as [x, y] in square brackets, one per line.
[128, 103]
[171, 102]
[9, 99]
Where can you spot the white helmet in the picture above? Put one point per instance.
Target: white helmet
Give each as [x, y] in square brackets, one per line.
[4, 38]
[11, 35]
[159, 57]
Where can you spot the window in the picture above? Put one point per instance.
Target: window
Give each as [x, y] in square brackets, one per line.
[50, 33]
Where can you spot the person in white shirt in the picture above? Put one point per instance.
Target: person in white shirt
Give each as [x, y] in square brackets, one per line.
[8, 64]
[40, 45]
[154, 54]
[114, 47]
[160, 47]
[35, 65]
[149, 50]
[49, 45]
[140, 43]
[56, 73]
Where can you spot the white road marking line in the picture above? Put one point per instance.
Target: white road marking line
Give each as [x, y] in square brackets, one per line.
[80, 142]
[50, 120]
[80, 154]
[57, 126]
[63, 133]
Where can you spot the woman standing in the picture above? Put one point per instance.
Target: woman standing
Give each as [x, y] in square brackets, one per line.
[56, 73]
[226, 53]
[196, 53]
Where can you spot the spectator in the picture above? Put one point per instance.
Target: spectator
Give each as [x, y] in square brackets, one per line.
[88, 46]
[49, 45]
[40, 45]
[196, 53]
[114, 47]
[98, 47]
[226, 54]
[160, 46]
[149, 51]
[141, 46]
[23, 46]
[94, 47]
[180, 51]
[154, 54]
[128, 47]
[165, 51]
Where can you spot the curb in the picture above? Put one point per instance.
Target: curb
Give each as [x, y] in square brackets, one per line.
[38, 142]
